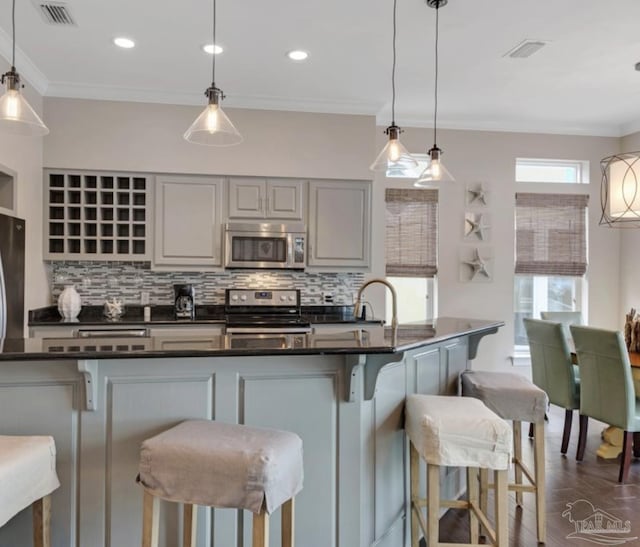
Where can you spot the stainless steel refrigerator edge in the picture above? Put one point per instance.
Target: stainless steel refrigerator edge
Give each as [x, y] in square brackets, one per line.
[12, 234]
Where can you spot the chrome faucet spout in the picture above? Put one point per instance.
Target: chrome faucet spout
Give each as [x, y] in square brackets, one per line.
[394, 298]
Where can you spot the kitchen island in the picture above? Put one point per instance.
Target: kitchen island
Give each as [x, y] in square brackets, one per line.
[343, 393]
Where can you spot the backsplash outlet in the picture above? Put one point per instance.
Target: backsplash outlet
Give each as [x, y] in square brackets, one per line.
[97, 281]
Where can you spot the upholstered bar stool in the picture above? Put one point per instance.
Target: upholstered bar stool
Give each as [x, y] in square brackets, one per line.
[515, 398]
[204, 462]
[457, 432]
[28, 477]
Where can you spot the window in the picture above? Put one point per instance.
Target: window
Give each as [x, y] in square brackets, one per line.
[422, 160]
[553, 171]
[536, 293]
[551, 256]
[411, 251]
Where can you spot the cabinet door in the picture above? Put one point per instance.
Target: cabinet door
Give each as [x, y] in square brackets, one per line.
[339, 224]
[247, 198]
[265, 199]
[284, 199]
[188, 213]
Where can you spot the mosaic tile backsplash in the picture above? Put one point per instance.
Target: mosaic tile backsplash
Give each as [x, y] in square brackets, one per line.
[97, 281]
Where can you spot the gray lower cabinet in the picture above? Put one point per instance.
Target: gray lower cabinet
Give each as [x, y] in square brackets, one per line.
[339, 231]
[166, 331]
[187, 226]
[355, 451]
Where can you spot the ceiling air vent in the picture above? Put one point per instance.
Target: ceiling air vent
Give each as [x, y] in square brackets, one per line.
[54, 13]
[525, 49]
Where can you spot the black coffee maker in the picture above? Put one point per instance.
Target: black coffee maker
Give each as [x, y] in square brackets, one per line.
[184, 302]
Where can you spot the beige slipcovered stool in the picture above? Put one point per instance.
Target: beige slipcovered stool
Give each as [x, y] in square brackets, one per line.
[515, 398]
[28, 477]
[457, 432]
[204, 462]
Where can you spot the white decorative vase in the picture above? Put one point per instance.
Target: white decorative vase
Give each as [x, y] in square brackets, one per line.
[69, 303]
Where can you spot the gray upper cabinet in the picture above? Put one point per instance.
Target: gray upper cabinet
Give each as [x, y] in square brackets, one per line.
[91, 215]
[256, 198]
[339, 232]
[188, 217]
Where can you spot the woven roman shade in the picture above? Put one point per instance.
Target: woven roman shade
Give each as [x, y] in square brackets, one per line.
[551, 234]
[411, 242]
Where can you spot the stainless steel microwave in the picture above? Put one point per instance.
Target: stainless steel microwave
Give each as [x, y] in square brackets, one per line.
[254, 245]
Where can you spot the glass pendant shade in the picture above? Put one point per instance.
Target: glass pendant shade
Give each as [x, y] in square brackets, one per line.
[434, 172]
[213, 128]
[16, 114]
[394, 159]
[620, 190]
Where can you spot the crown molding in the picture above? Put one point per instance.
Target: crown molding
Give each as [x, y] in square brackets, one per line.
[521, 126]
[115, 93]
[25, 67]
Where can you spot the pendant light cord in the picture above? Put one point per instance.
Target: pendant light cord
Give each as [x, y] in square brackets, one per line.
[393, 69]
[13, 30]
[213, 51]
[435, 108]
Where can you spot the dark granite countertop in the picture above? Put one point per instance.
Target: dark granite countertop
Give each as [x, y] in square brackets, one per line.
[163, 315]
[370, 340]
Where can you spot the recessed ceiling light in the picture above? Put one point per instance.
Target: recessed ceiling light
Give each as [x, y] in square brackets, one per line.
[297, 55]
[123, 42]
[211, 49]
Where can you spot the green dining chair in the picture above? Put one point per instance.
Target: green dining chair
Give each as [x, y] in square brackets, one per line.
[552, 370]
[606, 385]
[565, 317]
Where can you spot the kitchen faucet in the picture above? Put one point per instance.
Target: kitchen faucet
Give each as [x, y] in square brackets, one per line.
[394, 297]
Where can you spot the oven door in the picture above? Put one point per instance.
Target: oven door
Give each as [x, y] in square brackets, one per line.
[264, 341]
[302, 329]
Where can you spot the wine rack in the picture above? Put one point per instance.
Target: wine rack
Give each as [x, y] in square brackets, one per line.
[96, 216]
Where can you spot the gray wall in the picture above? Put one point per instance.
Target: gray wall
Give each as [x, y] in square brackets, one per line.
[148, 137]
[23, 155]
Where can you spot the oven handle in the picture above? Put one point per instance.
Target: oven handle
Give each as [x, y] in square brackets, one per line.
[267, 330]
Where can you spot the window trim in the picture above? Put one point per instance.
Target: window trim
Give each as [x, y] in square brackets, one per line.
[581, 168]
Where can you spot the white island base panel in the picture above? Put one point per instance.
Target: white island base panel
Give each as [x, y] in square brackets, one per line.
[355, 452]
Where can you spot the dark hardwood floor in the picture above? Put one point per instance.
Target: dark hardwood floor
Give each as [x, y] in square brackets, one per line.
[594, 479]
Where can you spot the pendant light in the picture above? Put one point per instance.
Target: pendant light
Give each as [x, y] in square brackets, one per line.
[620, 190]
[394, 159]
[16, 114]
[435, 170]
[212, 127]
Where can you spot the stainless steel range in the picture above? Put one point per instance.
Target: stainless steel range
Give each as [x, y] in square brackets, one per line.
[265, 312]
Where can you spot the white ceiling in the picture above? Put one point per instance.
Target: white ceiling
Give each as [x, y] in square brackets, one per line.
[582, 82]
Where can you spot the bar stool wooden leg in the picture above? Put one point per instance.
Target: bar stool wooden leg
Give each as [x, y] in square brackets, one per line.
[260, 529]
[42, 522]
[190, 524]
[517, 458]
[472, 489]
[433, 504]
[484, 490]
[150, 520]
[539, 456]
[414, 477]
[501, 509]
[287, 523]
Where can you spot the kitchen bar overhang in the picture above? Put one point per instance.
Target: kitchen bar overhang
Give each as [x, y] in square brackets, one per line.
[343, 394]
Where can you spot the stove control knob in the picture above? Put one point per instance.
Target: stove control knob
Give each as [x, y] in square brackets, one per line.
[243, 297]
[283, 297]
[292, 298]
[234, 297]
